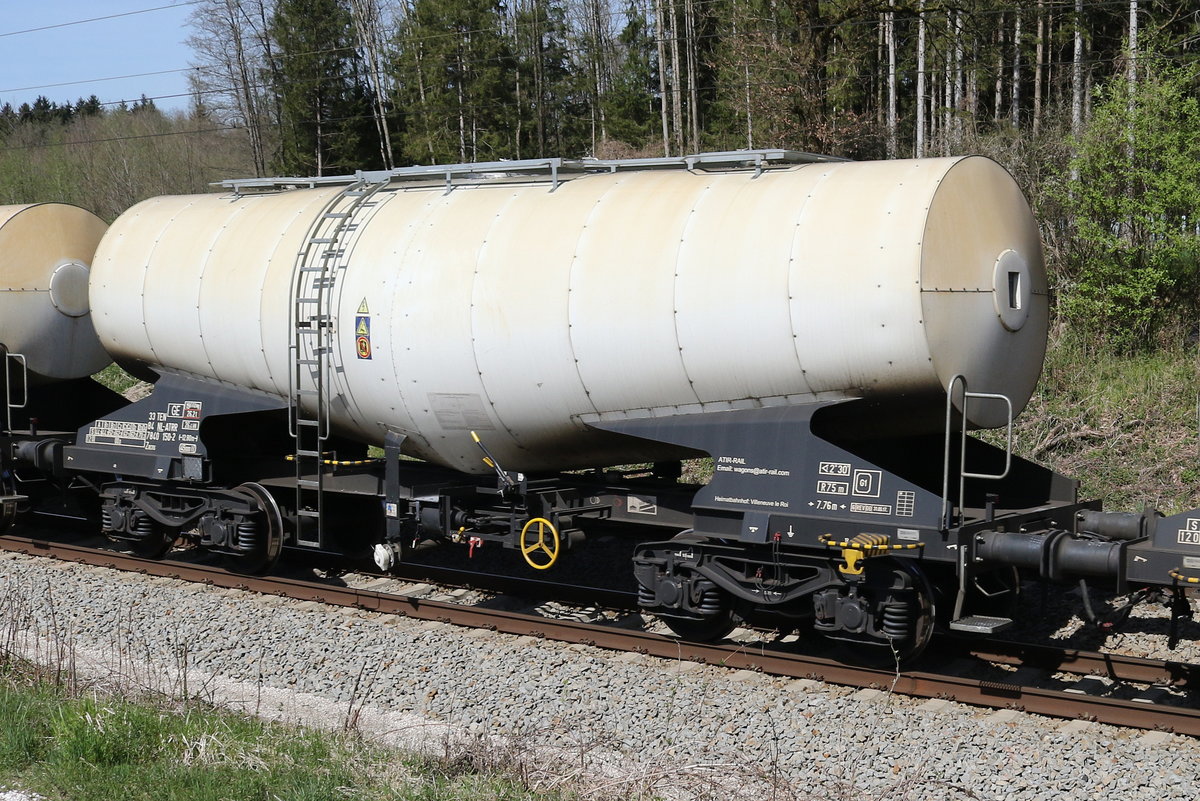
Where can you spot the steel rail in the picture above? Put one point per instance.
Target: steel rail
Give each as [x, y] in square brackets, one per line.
[976, 692]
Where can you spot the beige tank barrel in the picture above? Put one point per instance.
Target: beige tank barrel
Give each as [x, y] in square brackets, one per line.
[526, 310]
[46, 252]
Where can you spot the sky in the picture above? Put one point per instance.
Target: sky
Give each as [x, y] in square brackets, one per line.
[78, 54]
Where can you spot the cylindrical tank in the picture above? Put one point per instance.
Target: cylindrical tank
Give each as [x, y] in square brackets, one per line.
[46, 252]
[524, 310]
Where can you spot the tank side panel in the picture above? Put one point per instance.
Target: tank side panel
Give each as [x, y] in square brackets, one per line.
[731, 294]
[622, 305]
[118, 281]
[377, 390]
[855, 303]
[521, 313]
[172, 296]
[449, 398]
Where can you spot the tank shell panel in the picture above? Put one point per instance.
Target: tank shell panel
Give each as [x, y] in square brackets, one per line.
[46, 252]
[524, 313]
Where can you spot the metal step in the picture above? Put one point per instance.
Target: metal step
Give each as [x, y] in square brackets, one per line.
[307, 453]
[980, 624]
[308, 483]
[307, 513]
[308, 423]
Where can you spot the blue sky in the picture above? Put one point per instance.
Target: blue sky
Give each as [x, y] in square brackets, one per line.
[138, 43]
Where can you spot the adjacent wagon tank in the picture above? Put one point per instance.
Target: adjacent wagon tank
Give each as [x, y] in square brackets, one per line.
[525, 310]
[46, 252]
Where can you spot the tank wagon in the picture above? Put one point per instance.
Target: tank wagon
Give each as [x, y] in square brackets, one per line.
[828, 332]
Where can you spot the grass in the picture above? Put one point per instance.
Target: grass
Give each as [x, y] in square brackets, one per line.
[1127, 427]
[116, 379]
[91, 746]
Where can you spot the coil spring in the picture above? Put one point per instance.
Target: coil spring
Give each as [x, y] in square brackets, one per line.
[142, 526]
[106, 523]
[247, 536]
[646, 597]
[710, 602]
[897, 621]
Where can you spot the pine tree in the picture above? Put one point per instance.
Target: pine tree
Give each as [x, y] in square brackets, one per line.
[324, 104]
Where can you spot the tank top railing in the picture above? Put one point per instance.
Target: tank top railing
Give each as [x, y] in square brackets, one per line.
[959, 382]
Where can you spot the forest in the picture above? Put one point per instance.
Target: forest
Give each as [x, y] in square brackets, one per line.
[1092, 106]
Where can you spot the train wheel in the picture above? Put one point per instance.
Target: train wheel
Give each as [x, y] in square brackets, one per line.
[8, 508]
[902, 604]
[913, 619]
[703, 629]
[155, 544]
[260, 538]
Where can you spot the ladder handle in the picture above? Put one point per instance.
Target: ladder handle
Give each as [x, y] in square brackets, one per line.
[16, 357]
[1009, 437]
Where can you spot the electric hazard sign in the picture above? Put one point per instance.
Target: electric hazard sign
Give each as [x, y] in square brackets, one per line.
[362, 336]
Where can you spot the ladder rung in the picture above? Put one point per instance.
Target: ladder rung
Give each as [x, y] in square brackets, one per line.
[337, 215]
[322, 240]
[305, 392]
[307, 453]
[308, 482]
[307, 513]
[310, 269]
[308, 423]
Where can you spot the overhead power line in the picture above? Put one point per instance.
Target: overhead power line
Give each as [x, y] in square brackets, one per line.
[99, 19]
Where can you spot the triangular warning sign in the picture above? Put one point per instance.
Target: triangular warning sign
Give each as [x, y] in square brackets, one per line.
[363, 330]
[362, 307]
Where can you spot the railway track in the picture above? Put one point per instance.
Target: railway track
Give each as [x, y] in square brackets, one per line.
[1158, 690]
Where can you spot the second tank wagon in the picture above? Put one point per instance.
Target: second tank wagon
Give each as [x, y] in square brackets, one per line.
[527, 310]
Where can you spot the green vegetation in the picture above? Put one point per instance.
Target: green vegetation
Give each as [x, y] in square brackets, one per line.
[95, 747]
[1126, 425]
[1134, 258]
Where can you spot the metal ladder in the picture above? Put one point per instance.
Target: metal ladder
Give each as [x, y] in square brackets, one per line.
[318, 265]
[974, 624]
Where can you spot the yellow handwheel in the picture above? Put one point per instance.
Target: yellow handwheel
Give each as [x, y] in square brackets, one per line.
[546, 543]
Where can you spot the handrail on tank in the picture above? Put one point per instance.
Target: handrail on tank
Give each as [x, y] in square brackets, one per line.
[554, 167]
[963, 474]
[9, 405]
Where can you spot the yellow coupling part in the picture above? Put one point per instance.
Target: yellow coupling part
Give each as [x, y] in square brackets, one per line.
[1179, 576]
[859, 547]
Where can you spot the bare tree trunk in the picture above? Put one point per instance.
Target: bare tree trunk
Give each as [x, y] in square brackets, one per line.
[603, 74]
[462, 119]
[947, 92]
[999, 95]
[1131, 69]
[365, 14]
[958, 79]
[880, 41]
[1040, 56]
[919, 149]
[660, 32]
[689, 10]
[1077, 73]
[1016, 71]
[676, 89]
[890, 33]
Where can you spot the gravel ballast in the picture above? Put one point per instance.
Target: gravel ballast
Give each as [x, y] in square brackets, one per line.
[611, 722]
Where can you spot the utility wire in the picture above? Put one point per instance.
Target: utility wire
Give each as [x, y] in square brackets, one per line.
[100, 19]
